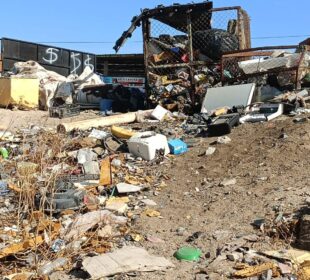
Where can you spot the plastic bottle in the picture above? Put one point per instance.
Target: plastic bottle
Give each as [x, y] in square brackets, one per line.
[4, 153]
[52, 266]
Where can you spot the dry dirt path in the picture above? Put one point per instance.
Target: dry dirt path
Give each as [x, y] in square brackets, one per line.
[270, 172]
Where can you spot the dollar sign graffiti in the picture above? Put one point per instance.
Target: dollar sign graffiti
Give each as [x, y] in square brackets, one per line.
[87, 62]
[76, 62]
[52, 55]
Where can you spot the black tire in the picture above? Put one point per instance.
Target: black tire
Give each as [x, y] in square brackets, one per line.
[214, 42]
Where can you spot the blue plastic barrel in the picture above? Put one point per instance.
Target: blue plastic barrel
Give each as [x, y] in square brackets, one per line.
[106, 106]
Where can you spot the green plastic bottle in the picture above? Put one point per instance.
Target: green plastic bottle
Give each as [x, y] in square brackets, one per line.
[188, 254]
[4, 153]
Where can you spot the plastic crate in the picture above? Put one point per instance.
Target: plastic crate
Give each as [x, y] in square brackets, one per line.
[64, 111]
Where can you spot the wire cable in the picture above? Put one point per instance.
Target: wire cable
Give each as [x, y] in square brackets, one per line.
[110, 42]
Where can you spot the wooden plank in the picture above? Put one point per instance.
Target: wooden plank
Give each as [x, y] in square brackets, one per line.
[105, 174]
[248, 54]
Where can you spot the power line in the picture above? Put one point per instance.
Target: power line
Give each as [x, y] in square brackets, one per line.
[85, 42]
[280, 37]
[110, 42]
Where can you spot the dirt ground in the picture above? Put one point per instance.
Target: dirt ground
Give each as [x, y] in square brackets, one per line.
[270, 164]
[13, 120]
[270, 171]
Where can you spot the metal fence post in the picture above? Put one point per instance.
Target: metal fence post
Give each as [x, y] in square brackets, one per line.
[191, 53]
[146, 29]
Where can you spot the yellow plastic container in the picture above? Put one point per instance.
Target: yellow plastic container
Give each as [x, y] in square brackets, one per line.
[19, 91]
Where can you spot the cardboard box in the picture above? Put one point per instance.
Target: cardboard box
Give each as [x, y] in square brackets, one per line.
[20, 92]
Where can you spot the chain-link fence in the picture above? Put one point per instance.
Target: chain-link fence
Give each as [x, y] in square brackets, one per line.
[279, 65]
[214, 35]
[183, 52]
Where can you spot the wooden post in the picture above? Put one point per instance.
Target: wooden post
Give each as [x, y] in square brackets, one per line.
[101, 122]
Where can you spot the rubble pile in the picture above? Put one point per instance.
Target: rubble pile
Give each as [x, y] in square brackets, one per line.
[64, 199]
[54, 89]
[75, 198]
[273, 69]
[183, 45]
[174, 91]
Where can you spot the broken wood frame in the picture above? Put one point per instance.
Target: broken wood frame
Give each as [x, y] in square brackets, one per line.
[230, 63]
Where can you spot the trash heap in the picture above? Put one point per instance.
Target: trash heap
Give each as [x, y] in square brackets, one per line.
[174, 91]
[54, 89]
[183, 45]
[71, 201]
[63, 96]
[278, 68]
[179, 88]
[68, 200]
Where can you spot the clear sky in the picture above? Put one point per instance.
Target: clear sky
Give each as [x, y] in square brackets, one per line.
[104, 21]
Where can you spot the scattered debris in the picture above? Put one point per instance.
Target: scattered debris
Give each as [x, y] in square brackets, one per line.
[256, 270]
[188, 254]
[118, 204]
[223, 140]
[228, 182]
[125, 260]
[149, 202]
[78, 197]
[127, 188]
[83, 223]
[152, 213]
[210, 151]
[21, 247]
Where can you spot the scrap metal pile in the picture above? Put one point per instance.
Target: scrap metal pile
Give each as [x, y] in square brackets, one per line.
[183, 45]
[190, 49]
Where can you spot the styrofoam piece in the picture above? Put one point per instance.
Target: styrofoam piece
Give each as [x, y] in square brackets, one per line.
[159, 113]
[85, 155]
[127, 188]
[145, 144]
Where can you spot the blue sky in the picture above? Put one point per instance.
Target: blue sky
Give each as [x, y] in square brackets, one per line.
[104, 21]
